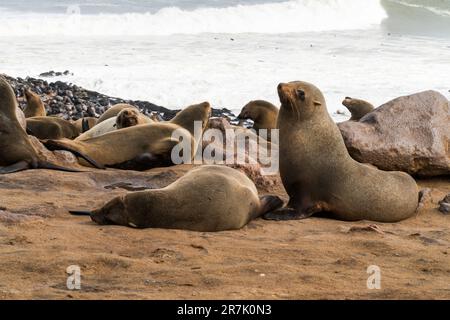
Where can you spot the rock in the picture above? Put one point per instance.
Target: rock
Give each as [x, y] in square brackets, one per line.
[410, 133]
[444, 205]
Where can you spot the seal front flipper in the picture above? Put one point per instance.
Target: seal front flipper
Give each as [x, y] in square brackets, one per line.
[16, 167]
[54, 145]
[268, 204]
[51, 166]
[287, 214]
[80, 213]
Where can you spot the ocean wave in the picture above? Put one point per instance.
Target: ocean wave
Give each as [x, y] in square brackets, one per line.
[273, 18]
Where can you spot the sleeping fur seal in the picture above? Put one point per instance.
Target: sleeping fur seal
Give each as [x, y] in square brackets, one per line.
[35, 107]
[139, 147]
[114, 111]
[319, 174]
[208, 198]
[127, 117]
[51, 128]
[16, 151]
[357, 107]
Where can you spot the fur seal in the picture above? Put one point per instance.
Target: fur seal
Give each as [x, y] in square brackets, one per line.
[139, 147]
[114, 111]
[357, 107]
[51, 128]
[208, 198]
[127, 117]
[16, 150]
[319, 174]
[263, 113]
[35, 107]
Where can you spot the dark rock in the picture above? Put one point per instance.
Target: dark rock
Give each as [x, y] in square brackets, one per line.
[73, 102]
[444, 205]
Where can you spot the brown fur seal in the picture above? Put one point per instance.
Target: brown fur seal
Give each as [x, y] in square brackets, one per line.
[208, 198]
[140, 147]
[319, 174]
[16, 151]
[357, 107]
[35, 107]
[51, 128]
[263, 113]
[129, 117]
[114, 111]
[84, 124]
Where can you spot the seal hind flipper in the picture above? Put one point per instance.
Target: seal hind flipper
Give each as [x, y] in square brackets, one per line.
[16, 167]
[80, 213]
[269, 203]
[54, 145]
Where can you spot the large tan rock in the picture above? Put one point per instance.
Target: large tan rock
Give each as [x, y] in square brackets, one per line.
[410, 133]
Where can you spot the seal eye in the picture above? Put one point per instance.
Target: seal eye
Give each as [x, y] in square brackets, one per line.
[301, 94]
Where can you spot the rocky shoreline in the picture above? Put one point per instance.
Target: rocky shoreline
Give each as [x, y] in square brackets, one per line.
[69, 101]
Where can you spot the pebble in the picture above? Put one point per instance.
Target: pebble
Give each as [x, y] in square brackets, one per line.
[73, 102]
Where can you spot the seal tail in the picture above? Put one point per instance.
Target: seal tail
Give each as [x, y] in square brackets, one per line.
[269, 203]
[80, 213]
[53, 145]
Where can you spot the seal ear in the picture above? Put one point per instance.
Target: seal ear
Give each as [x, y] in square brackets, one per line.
[317, 103]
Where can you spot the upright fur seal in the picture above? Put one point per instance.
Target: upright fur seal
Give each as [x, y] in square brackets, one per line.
[16, 151]
[51, 128]
[357, 107]
[208, 198]
[114, 111]
[319, 174]
[263, 113]
[140, 147]
[35, 107]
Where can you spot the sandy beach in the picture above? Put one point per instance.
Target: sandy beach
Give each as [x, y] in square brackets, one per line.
[315, 258]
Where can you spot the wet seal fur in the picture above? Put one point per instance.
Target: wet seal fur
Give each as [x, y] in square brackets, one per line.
[357, 107]
[320, 176]
[35, 107]
[16, 151]
[208, 198]
[51, 128]
[139, 147]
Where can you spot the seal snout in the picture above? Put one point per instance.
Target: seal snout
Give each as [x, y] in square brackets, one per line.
[282, 93]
